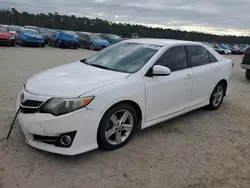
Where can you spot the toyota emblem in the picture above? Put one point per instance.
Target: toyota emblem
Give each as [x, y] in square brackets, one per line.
[22, 99]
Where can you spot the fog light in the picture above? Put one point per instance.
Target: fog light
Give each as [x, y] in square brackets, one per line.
[65, 140]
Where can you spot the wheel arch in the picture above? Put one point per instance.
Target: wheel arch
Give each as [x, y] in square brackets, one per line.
[136, 107]
[224, 82]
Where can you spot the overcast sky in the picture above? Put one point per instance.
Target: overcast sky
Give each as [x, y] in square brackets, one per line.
[216, 16]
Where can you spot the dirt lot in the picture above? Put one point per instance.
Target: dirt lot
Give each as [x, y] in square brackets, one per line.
[197, 150]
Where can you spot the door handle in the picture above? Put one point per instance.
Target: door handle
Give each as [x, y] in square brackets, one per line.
[217, 69]
[188, 76]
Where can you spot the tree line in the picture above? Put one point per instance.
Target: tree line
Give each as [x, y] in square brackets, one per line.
[57, 21]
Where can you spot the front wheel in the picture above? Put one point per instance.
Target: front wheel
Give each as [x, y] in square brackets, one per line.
[248, 74]
[23, 43]
[117, 126]
[217, 96]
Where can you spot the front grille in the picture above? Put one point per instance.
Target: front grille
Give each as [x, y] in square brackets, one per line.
[31, 103]
[29, 110]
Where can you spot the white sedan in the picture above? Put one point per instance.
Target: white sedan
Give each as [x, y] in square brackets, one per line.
[102, 100]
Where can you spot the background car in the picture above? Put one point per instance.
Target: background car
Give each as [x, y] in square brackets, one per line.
[221, 50]
[91, 41]
[46, 33]
[66, 39]
[13, 28]
[52, 38]
[112, 38]
[29, 37]
[246, 63]
[6, 38]
[225, 48]
[32, 27]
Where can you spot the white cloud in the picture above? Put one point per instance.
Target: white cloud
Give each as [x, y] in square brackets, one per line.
[216, 16]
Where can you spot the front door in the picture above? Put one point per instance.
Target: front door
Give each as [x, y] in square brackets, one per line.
[166, 95]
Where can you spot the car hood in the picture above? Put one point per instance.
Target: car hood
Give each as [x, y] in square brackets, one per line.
[32, 36]
[71, 80]
[5, 35]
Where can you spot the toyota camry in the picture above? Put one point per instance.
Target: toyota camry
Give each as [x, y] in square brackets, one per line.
[100, 101]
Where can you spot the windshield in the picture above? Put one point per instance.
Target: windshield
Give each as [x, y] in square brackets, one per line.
[13, 28]
[114, 36]
[225, 46]
[46, 31]
[30, 31]
[33, 28]
[125, 57]
[94, 36]
[3, 30]
[70, 33]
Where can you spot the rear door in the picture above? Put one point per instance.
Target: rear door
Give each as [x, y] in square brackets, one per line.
[206, 71]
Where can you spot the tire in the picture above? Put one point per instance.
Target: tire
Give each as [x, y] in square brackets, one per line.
[23, 43]
[111, 136]
[222, 52]
[247, 74]
[91, 47]
[13, 43]
[43, 45]
[49, 43]
[217, 96]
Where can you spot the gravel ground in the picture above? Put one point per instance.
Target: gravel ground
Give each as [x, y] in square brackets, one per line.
[197, 150]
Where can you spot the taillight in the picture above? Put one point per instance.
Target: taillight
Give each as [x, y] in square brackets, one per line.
[244, 56]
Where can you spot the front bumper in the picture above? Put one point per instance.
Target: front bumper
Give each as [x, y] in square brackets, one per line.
[84, 122]
[245, 66]
[34, 42]
[67, 43]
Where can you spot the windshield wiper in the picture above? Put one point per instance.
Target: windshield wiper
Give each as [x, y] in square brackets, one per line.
[95, 65]
[84, 61]
[100, 66]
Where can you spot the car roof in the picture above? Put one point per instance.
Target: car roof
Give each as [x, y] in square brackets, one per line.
[161, 42]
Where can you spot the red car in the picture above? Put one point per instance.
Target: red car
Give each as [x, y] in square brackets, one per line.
[6, 38]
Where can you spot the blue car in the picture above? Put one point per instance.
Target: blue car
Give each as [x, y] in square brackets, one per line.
[66, 39]
[112, 38]
[91, 41]
[29, 37]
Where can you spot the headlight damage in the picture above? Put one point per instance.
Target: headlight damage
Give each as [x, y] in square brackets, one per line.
[59, 107]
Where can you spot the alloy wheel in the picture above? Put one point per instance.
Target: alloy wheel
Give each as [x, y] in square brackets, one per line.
[218, 95]
[119, 127]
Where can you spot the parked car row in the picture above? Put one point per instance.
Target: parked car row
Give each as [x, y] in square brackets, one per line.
[35, 36]
[228, 48]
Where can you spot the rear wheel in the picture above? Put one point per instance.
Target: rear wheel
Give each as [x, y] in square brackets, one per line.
[117, 126]
[222, 52]
[217, 96]
[248, 74]
[91, 47]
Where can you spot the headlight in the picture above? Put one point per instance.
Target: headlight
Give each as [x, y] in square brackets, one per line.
[59, 107]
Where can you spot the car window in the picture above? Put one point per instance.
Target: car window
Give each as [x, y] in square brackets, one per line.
[212, 58]
[3, 30]
[198, 56]
[175, 59]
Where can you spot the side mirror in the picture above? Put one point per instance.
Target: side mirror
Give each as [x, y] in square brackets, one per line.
[159, 70]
